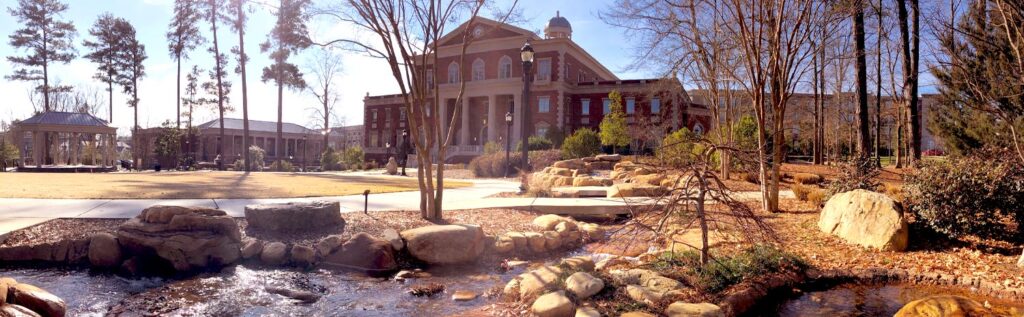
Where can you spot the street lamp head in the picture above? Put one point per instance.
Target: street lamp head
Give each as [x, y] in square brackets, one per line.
[405, 133]
[508, 117]
[526, 53]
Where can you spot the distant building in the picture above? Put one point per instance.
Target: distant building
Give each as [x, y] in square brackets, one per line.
[569, 91]
[345, 137]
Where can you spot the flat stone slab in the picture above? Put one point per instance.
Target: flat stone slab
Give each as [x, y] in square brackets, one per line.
[580, 192]
[294, 216]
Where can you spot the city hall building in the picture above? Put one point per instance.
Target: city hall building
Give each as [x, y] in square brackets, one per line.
[569, 91]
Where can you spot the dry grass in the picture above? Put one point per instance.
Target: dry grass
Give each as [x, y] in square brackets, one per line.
[220, 185]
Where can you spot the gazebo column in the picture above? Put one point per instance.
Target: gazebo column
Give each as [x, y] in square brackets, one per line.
[76, 142]
[37, 147]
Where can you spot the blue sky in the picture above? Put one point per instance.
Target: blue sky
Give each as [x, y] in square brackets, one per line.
[361, 75]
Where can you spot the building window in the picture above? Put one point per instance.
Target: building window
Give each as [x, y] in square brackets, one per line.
[630, 105]
[387, 118]
[505, 67]
[656, 105]
[430, 79]
[543, 104]
[542, 131]
[585, 107]
[401, 114]
[453, 73]
[607, 106]
[581, 77]
[478, 69]
[543, 69]
[374, 141]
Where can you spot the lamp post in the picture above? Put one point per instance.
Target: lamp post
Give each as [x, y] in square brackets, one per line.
[404, 150]
[304, 137]
[508, 143]
[526, 53]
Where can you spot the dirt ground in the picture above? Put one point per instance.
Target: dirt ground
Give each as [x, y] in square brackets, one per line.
[173, 185]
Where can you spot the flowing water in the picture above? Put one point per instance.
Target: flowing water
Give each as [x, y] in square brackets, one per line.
[864, 300]
[241, 291]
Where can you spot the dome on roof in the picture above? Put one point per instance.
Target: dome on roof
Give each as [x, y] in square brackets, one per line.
[558, 27]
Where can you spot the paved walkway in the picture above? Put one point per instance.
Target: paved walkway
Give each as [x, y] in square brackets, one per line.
[17, 213]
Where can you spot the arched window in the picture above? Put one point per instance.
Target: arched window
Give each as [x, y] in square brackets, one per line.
[478, 69]
[505, 67]
[453, 73]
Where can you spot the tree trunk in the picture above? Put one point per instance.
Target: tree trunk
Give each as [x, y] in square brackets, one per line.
[863, 128]
[246, 143]
[878, 91]
[177, 91]
[280, 125]
[915, 116]
[816, 142]
[220, 89]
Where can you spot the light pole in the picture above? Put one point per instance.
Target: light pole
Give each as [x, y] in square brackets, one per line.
[526, 53]
[404, 150]
[304, 142]
[508, 143]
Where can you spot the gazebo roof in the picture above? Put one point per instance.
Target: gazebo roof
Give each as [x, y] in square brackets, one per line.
[65, 118]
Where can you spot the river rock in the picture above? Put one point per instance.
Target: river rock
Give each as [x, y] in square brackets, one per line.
[274, 253]
[328, 244]
[579, 263]
[583, 285]
[569, 164]
[520, 241]
[1020, 262]
[5, 284]
[504, 244]
[866, 218]
[566, 226]
[303, 255]
[104, 251]
[445, 244]
[536, 241]
[392, 236]
[587, 312]
[463, 296]
[608, 157]
[943, 305]
[365, 253]
[300, 295]
[637, 314]
[554, 304]
[534, 282]
[592, 231]
[552, 240]
[251, 248]
[189, 238]
[635, 190]
[511, 290]
[14, 310]
[684, 309]
[294, 216]
[549, 222]
[37, 300]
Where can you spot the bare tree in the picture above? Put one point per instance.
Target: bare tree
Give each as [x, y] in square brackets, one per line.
[406, 34]
[863, 129]
[325, 67]
[911, 61]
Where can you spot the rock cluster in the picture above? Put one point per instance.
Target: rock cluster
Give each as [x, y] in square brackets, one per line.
[554, 233]
[294, 216]
[365, 253]
[20, 299]
[944, 305]
[866, 218]
[574, 173]
[65, 251]
[187, 238]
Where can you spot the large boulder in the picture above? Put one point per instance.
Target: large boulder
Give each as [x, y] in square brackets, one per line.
[328, 244]
[583, 285]
[188, 238]
[5, 284]
[365, 253]
[104, 251]
[37, 300]
[635, 190]
[15, 310]
[549, 222]
[866, 218]
[584, 181]
[554, 304]
[303, 255]
[274, 253]
[445, 244]
[294, 216]
[609, 157]
[570, 164]
[534, 282]
[943, 305]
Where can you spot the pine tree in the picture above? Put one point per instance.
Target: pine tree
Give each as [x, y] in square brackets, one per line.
[47, 40]
[288, 36]
[218, 86]
[104, 52]
[182, 38]
[191, 92]
[236, 16]
[129, 63]
[613, 126]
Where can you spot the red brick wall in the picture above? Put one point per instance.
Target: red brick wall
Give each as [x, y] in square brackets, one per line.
[574, 113]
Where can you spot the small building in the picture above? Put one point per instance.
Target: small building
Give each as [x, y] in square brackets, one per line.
[70, 141]
[345, 137]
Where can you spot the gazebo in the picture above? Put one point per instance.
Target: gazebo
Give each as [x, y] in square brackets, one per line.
[65, 141]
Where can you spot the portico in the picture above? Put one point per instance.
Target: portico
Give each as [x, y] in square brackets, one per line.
[65, 139]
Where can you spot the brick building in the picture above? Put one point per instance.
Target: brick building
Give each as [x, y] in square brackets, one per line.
[569, 91]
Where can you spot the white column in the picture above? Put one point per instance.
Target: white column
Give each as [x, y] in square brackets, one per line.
[37, 147]
[493, 121]
[442, 111]
[517, 118]
[464, 132]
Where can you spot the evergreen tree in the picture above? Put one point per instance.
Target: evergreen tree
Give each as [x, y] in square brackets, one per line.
[237, 18]
[47, 40]
[104, 52]
[613, 126]
[191, 91]
[288, 36]
[129, 63]
[213, 10]
[182, 38]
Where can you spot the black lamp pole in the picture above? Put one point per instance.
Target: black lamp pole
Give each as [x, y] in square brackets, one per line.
[527, 56]
[508, 142]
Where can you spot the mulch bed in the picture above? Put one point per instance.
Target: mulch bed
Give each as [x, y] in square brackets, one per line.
[60, 229]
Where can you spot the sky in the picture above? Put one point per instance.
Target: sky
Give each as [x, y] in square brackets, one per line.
[360, 74]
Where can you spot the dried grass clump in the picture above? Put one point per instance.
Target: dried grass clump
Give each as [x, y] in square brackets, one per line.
[808, 178]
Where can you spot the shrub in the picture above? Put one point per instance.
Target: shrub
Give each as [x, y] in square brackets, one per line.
[556, 136]
[816, 197]
[538, 143]
[802, 192]
[969, 195]
[492, 147]
[677, 147]
[752, 177]
[257, 155]
[353, 156]
[722, 272]
[541, 159]
[493, 165]
[285, 166]
[894, 191]
[807, 178]
[858, 173]
[582, 143]
[330, 160]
